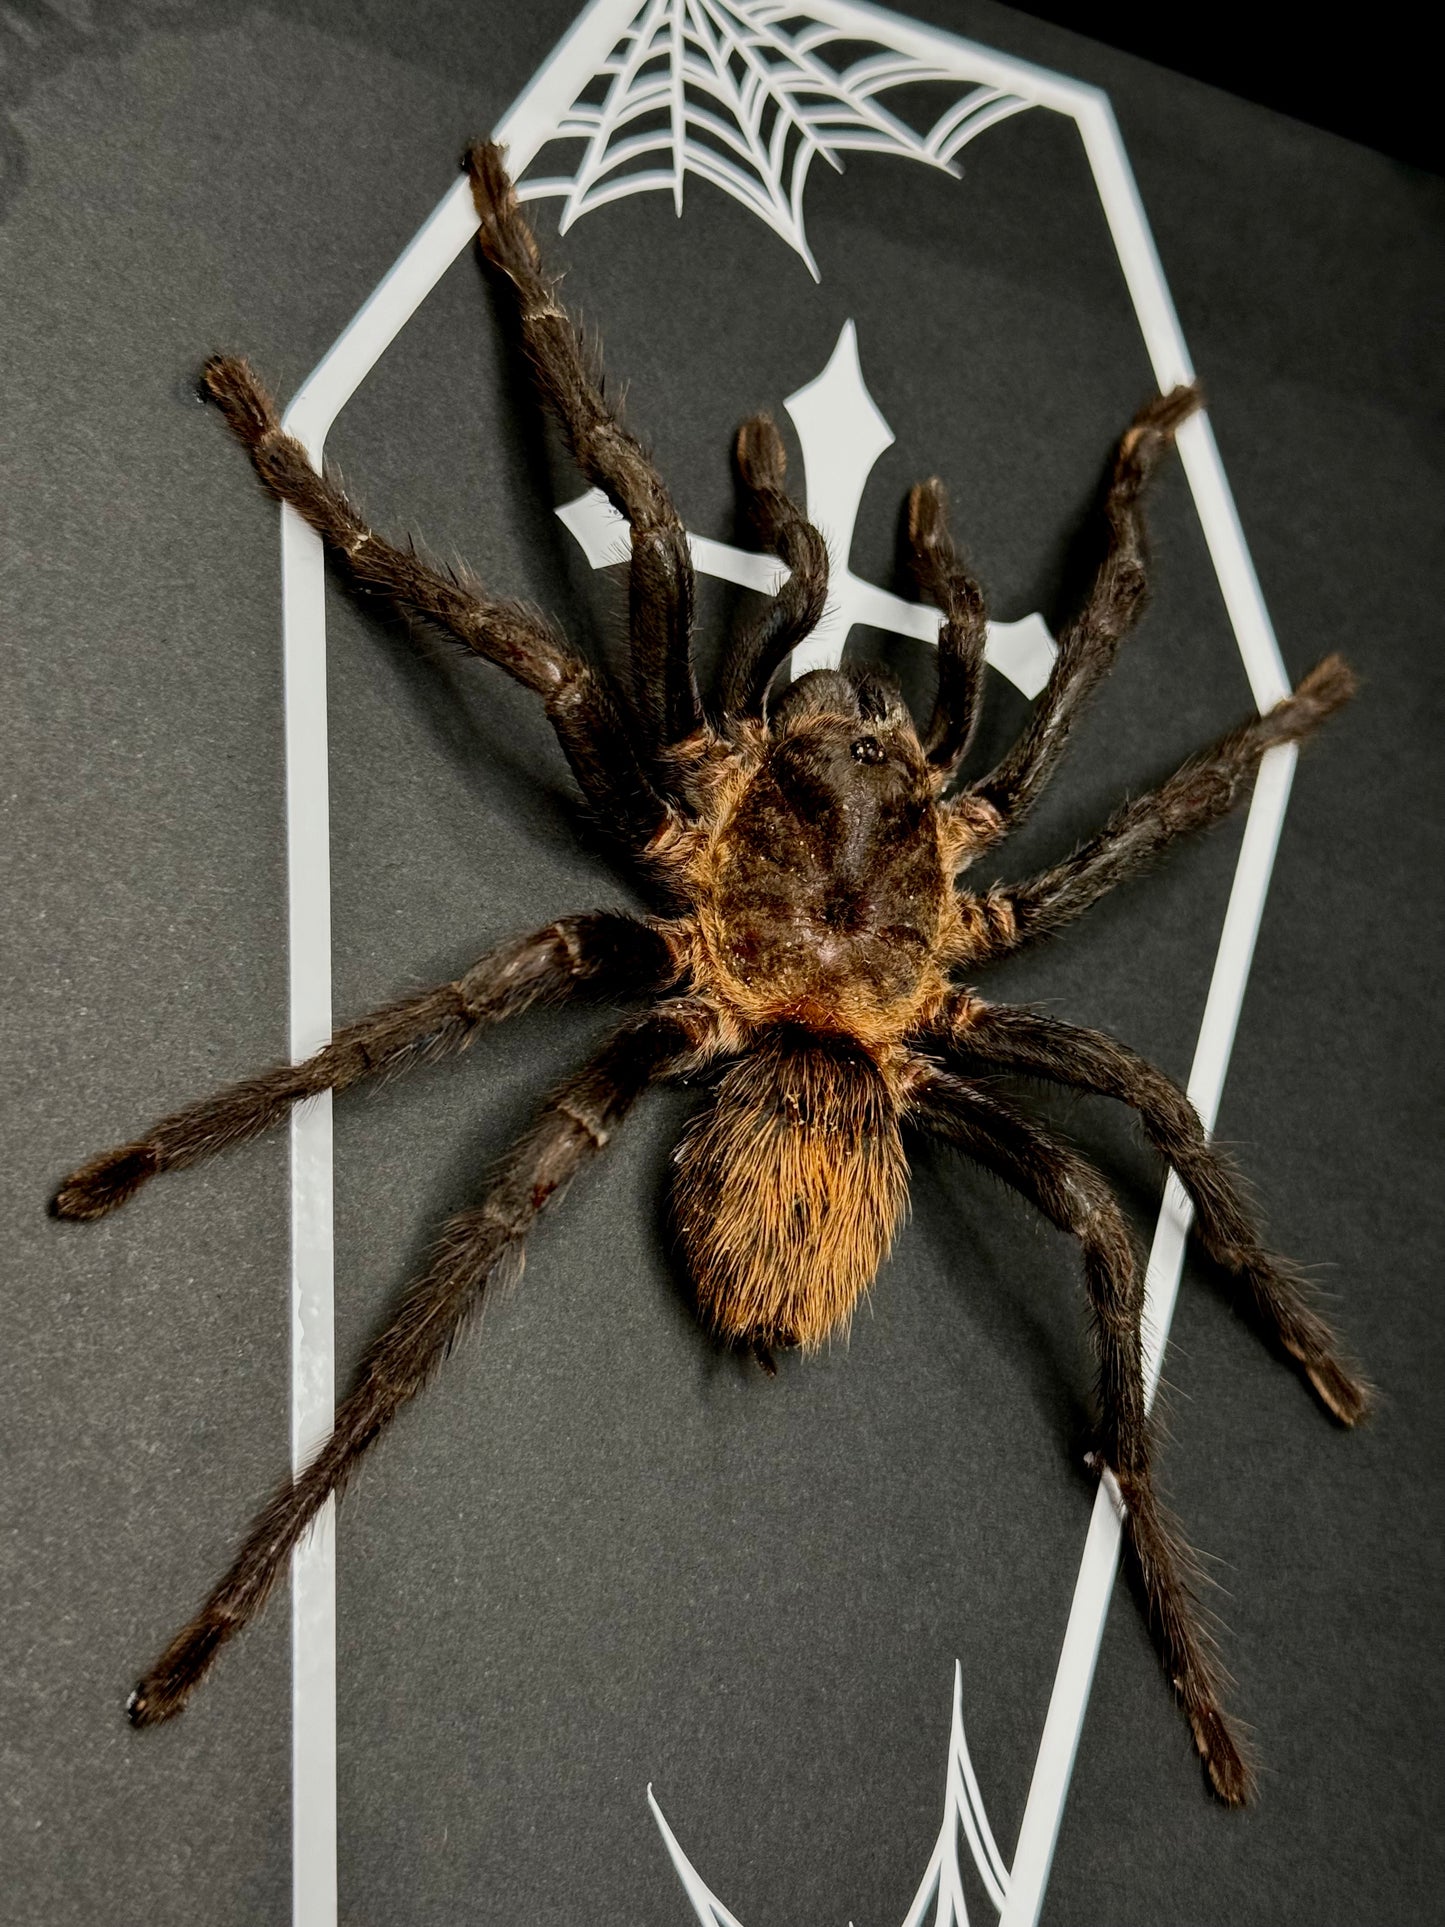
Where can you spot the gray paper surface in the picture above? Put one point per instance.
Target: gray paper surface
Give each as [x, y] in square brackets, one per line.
[597, 1554]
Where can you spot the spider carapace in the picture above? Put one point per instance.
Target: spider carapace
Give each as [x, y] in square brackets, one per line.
[803, 850]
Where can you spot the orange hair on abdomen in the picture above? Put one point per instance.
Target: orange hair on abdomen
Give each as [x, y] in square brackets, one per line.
[790, 1189]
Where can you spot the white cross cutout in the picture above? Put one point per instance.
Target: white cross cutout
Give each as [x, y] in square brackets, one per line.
[842, 434]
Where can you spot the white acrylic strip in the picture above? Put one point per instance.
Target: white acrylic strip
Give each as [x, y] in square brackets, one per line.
[524, 129]
[313, 1401]
[1198, 451]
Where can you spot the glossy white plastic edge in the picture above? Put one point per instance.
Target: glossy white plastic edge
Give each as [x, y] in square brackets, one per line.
[524, 129]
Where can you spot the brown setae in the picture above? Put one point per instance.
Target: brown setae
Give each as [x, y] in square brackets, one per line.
[810, 949]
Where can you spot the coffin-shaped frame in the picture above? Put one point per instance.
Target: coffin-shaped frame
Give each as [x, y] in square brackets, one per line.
[525, 129]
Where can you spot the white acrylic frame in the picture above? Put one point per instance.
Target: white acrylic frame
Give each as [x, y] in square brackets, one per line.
[524, 129]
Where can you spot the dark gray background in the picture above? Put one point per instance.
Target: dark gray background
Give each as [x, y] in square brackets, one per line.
[598, 1554]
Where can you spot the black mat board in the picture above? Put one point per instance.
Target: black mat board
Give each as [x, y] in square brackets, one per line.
[597, 1555]
[1273, 55]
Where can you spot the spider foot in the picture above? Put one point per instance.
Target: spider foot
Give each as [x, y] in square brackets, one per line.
[1162, 415]
[1326, 688]
[103, 1185]
[1344, 1396]
[231, 383]
[164, 1690]
[1231, 1771]
[505, 237]
[147, 1706]
[761, 457]
[1153, 428]
[928, 518]
[137, 1709]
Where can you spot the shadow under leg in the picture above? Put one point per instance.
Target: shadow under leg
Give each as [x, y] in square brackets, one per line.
[662, 589]
[609, 953]
[1200, 792]
[963, 636]
[1274, 1295]
[755, 654]
[580, 702]
[478, 1248]
[1068, 1191]
[1090, 642]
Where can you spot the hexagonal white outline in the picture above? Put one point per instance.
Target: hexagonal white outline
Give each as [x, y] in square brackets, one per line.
[524, 130]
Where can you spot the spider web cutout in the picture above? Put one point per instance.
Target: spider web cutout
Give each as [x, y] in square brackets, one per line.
[744, 93]
[963, 1814]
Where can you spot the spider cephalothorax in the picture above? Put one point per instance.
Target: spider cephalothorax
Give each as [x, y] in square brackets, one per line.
[807, 952]
[826, 920]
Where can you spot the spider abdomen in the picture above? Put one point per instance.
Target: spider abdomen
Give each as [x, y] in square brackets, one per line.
[790, 1189]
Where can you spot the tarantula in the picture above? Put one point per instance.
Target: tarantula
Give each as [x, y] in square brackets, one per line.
[804, 852]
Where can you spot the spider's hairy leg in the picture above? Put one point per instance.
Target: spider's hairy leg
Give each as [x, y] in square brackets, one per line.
[662, 587]
[477, 1248]
[580, 702]
[1199, 793]
[604, 953]
[963, 635]
[754, 655]
[1090, 641]
[1068, 1191]
[997, 1038]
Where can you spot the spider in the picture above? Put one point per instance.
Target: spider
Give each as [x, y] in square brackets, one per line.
[802, 851]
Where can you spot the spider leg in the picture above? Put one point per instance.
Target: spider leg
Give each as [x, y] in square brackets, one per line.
[963, 635]
[755, 654]
[610, 954]
[1091, 640]
[661, 587]
[480, 1247]
[1199, 793]
[1069, 1192]
[1090, 1060]
[580, 702]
